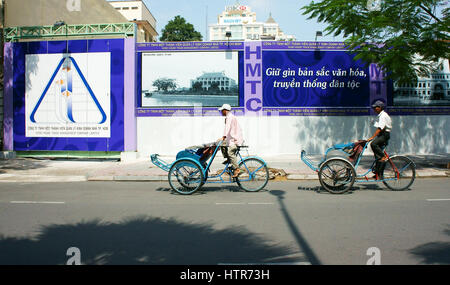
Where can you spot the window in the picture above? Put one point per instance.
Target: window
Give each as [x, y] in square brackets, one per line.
[125, 8]
[134, 8]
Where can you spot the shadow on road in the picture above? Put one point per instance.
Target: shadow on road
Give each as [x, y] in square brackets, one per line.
[20, 164]
[303, 244]
[206, 189]
[434, 252]
[357, 187]
[142, 240]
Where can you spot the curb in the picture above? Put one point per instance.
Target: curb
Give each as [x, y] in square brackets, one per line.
[140, 178]
[302, 177]
[40, 178]
[435, 173]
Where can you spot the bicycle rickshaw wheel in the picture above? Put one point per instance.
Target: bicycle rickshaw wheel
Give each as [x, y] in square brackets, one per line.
[337, 175]
[254, 175]
[402, 179]
[185, 177]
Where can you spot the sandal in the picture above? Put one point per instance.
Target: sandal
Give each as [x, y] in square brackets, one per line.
[236, 173]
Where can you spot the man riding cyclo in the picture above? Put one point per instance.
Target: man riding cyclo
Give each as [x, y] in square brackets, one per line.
[381, 136]
[232, 138]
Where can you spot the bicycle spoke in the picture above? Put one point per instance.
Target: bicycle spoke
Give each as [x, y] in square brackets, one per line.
[399, 173]
[254, 175]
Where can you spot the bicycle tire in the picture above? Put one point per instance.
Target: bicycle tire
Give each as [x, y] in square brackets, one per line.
[337, 175]
[185, 177]
[254, 171]
[406, 173]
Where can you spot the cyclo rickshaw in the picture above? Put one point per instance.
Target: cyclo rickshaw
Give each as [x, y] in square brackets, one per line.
[192, 168]
[338, 172]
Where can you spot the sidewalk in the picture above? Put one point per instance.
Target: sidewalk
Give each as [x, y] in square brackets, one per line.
[287, 167]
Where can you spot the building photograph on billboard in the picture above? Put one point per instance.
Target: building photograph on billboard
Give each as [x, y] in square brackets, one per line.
[68, 95]
[433, 90]
[188, 79]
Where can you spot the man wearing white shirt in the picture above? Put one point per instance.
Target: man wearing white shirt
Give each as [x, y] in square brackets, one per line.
[382, 134]
[232, 137]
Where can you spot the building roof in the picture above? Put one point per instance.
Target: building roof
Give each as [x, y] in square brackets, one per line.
[212, 74]
[270, 20]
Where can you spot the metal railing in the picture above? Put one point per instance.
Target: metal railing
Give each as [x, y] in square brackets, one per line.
[13, 34]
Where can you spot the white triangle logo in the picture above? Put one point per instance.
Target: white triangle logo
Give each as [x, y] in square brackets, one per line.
[61, 96]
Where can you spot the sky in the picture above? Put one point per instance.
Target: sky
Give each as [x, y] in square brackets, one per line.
[286, 13]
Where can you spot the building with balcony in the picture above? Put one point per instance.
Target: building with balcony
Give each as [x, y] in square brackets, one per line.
[210, 80]
[240, 23]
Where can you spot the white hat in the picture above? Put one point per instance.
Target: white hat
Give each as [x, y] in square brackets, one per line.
[225, 107]
[378, 103]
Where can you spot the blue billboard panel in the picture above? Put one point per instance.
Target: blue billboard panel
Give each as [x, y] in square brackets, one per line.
[314, 79]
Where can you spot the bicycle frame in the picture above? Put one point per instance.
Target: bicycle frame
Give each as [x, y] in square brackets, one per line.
[364, 175]
[227, 169]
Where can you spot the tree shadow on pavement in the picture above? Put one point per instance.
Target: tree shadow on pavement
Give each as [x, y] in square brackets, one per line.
[142, 240]
[301, 241]
[18, 164]
[434, 252]
[375, 186]
[317, 133]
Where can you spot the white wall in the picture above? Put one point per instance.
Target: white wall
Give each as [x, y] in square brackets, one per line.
[270, 136]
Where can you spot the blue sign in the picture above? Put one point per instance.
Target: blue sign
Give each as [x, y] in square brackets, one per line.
[314, 79]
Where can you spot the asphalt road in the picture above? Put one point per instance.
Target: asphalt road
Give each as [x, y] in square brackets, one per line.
[287, 223]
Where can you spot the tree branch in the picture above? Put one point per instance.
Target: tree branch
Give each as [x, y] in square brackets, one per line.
[428, 11]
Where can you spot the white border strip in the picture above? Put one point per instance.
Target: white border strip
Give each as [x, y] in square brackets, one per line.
[240, 203]
[36, 202]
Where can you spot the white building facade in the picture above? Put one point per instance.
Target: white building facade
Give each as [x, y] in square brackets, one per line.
[138, 12]
[207, 80]
[434, 90]
[240, 24]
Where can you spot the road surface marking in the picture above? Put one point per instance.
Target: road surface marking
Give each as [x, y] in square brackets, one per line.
[434, 200]
[240, 203]
[36, 202]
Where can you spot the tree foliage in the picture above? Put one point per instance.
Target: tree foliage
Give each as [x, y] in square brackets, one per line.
[164, 84]
[405, 37]
[214, 86]
[178, 30]
[197, 86]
